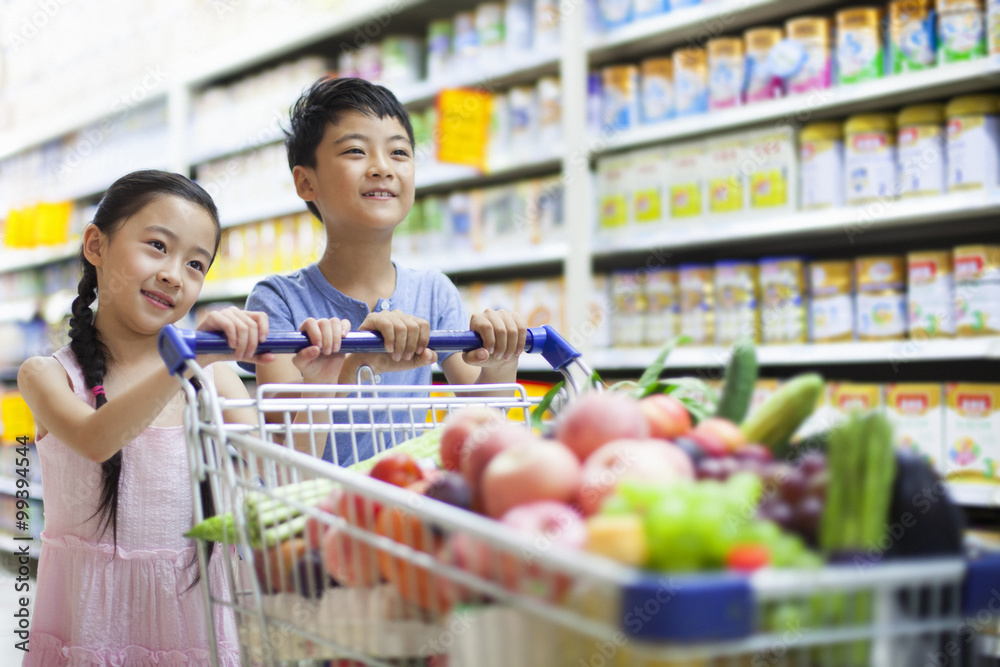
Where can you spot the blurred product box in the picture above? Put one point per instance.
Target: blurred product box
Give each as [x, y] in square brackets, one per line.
[737, 298]
[647, 182]
[614, 193]
[600, 311]
[917, 415]
[848, 397]
[629, 311]
[771, 169]
[662, 306]
[685, 180]
[783, 300]
[542, 301]
[972, 431]
[696, 283]
[724, 159]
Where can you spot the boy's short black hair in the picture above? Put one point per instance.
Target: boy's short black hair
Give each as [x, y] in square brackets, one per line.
[323, 103]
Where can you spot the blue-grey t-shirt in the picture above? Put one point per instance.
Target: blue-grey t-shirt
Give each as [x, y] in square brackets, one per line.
[290, 299]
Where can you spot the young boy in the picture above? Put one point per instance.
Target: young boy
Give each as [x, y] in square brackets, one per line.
[350, 148]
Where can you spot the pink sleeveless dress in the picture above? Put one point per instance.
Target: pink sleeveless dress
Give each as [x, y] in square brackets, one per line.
[133, 609]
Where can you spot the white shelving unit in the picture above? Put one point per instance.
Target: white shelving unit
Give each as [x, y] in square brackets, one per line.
[888, 353]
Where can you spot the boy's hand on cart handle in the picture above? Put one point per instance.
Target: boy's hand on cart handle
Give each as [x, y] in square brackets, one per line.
[406, 338]
[503, 333]
[321, 362]
[243, 329]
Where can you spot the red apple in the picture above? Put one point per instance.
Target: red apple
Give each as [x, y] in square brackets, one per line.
[596, 419]
[398, 469]
[547, 523]
[667, 416]
[533, 470]
[709, 443]
[722, 429]
[458, 426]
[315, 528]
[649, 460]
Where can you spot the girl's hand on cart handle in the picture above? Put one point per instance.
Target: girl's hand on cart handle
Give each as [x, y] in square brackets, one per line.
[321, 362]
[243, 329]
[503, 333]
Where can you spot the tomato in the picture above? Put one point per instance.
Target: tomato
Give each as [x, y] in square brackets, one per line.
[398, 469]
[747, 557]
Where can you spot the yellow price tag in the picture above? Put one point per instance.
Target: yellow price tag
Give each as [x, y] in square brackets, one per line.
[464, 123]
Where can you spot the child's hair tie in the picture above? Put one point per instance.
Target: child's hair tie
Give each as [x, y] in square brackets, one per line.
[98, 390]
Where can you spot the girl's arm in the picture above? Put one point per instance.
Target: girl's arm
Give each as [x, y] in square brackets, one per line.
[93, 434]
[98, 434]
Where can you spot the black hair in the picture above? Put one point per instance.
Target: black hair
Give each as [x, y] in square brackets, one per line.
[323, 103]
[122, 200]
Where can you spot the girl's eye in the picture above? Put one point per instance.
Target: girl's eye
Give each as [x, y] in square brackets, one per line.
[402, 152]
[159, 245]
[196, 265]
[354, 151]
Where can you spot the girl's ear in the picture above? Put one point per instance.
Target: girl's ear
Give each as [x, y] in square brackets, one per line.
[92, 241]
[305, 182]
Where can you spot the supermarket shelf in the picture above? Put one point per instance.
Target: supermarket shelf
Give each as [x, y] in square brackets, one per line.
[496, 258]
[73, 117]
[273, 208]
[19, 260]
[8, 373]
[889, 353]
[10, 545]
[449, 262]
[970, 494]
[852, 221]
[8, 486]
[691, 25]
[271, 42]
[438, 176]
[505, 71]
[887, 93]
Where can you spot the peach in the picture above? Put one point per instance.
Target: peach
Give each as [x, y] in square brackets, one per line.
[535, 469]
[596, 419]
[647, 459]
[722, 429]
[667, 416]
[458, 426]
[485, 442]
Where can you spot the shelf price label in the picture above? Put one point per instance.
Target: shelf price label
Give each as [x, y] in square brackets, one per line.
[463, 126]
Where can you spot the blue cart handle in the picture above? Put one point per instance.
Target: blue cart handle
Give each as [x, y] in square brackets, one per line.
[178, 345]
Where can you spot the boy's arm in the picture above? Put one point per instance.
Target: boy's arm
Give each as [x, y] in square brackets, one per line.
[503, 333]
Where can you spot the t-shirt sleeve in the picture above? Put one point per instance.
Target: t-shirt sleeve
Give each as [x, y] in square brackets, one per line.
[266, 298]
[451, 315]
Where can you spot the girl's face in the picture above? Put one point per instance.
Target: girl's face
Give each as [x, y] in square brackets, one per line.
[151, 270]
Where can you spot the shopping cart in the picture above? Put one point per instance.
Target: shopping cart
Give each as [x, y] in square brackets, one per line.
[437, 585]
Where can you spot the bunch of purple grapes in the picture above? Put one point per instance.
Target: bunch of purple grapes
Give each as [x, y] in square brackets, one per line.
[794, 492]
[794, 495]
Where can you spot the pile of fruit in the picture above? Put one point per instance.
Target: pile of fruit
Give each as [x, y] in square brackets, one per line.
[641, 473]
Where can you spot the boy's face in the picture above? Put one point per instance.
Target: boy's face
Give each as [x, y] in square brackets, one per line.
[363, 178]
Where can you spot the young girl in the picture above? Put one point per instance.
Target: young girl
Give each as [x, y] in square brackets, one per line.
[115, 573]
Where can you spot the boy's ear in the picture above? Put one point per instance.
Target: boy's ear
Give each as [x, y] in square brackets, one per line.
[92, 239]
[305, 182]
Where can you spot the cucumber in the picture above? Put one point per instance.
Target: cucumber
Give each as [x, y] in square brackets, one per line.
[781, 415]
[738, 382]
